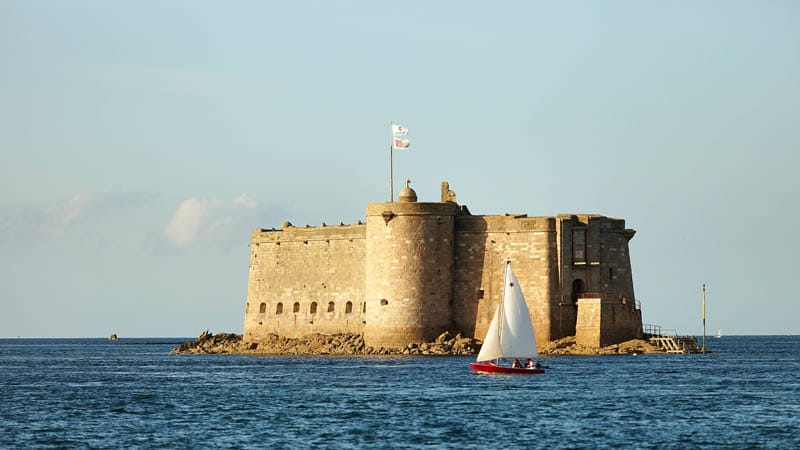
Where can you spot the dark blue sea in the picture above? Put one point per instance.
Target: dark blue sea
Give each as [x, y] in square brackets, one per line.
[92, 393]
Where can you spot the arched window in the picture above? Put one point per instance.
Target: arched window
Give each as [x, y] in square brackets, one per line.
[296, 307]
[313, 309]
[348, 308]
[279, 308]
[330, 306]
[577, 290]
[263, 308]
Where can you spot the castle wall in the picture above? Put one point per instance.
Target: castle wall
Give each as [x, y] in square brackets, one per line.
[605, 321]
[298, 267]
[594, 262]
[594, 249]
[482, 245]
[409, 258]
[416, 269]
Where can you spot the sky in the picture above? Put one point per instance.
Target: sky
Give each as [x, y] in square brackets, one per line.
[142, 142]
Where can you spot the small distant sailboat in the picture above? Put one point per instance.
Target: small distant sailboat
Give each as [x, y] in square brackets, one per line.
[719, 333]
[510, 334]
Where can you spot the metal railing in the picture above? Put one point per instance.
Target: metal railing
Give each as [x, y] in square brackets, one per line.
[658, 331]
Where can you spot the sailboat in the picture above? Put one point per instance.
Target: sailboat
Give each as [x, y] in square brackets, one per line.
[719, 333]
[510, 334]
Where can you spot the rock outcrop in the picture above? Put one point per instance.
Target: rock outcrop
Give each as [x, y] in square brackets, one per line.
[323, 344]
[353, 344]
[567, 346]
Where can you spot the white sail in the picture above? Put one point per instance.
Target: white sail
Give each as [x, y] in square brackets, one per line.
[491, 343]
[511, 333]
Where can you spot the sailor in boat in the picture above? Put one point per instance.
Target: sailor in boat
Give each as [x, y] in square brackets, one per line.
[529, 364]
[516, 364]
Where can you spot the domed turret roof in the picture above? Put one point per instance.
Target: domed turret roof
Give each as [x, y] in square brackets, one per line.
[407, 195]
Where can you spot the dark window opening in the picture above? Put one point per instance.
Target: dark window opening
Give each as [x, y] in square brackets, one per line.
[577, 290]
[348, 308]
[279, 308]
[384, 302]
[330, 306]
[296, 307]
[262, 308]
[313, 309]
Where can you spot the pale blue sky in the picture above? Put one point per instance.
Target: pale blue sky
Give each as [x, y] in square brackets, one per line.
[141, 142]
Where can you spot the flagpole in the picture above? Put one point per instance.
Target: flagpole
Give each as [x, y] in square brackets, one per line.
[391, 166]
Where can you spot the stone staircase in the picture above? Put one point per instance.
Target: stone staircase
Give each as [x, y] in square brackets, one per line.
[669, 341]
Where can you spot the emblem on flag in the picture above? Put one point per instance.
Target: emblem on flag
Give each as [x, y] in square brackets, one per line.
[401, 143]
[399, 130]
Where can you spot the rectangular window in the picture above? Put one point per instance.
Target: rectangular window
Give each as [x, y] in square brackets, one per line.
[579, 245]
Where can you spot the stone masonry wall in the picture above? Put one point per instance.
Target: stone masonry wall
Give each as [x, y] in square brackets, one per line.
[603, 322]
[594, 259]
[297, 268]
[482, 245]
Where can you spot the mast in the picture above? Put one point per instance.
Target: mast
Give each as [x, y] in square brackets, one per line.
[704, 317]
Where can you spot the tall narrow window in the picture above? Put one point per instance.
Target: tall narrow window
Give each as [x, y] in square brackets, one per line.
[313, 309]
[579, 245]
[348, 308]
[296, 307]
[262, 308]
[279, 308]
[330, 306]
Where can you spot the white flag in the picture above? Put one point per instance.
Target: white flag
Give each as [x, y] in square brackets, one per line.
[399, 130]
[401, 143]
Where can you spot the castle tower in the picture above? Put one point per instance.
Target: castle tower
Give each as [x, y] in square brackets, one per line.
[409, 259]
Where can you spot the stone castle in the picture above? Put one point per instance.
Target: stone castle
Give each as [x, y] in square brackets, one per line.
[416, 269]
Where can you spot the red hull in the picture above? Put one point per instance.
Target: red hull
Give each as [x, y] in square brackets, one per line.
[490, 367]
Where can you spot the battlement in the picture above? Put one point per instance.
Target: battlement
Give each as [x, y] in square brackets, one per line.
[309, 233]
[506, 223]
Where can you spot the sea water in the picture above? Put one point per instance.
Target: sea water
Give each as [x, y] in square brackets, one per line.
[93, 393]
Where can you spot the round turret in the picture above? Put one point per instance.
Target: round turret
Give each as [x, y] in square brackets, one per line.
[407, 195]
[408, 271]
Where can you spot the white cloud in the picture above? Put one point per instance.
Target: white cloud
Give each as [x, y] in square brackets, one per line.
[183, 229]
[56, 219]
[245, 201]
[197, 220]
